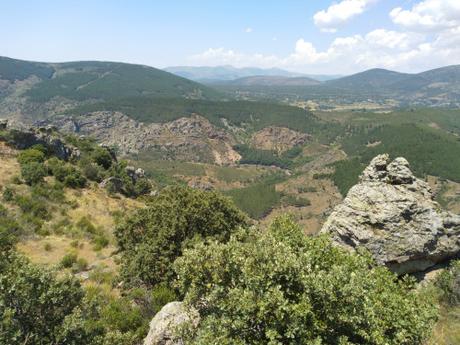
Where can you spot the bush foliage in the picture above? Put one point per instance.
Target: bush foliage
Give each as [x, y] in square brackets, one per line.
[281, 287]
[152, 238]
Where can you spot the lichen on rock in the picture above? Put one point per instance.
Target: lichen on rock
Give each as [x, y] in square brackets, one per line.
[392, 214]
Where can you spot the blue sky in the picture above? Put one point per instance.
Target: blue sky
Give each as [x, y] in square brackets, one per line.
[319, 36]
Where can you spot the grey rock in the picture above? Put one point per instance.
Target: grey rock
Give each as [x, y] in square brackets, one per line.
[3, 123]
[116, 184]
[191, 138]
[166, 323]
[46, 136]
[139, 173]
[392, 214]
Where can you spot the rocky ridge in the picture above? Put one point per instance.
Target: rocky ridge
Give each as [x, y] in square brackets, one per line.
[392, 214]
[21, 138]
[189, 138]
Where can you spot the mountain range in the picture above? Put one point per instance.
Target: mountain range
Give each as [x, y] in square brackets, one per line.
[35, 90]
[212, 74]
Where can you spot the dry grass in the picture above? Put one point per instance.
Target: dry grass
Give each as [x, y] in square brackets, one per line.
[34, 249]
[96, 205]
[447, 330]
[9, 166]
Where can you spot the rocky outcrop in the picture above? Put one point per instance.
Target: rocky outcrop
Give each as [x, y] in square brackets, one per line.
[191, 138]
[46, 136]
[165, 325]
[278, 139]
[392, 214]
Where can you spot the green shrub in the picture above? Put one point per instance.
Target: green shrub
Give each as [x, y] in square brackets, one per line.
[69, 260]
[8, 194]
[102, 157]
[122, 315]
[448, 282]
[31, 156]
[100, 241]
[80, 265]
[161, 295]
[278, 286]
[142, 187]
[37, 307]
[33, 172]
[66, 173]
[47, 247]
[92, 171]
[9, 232]
[85, 225]
[75, 180]
[53, 192]
[101, 275]
[152, 238]
[75, 244]
[16, 179]
[33, 206]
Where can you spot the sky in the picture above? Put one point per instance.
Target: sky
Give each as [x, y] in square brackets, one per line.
[309, 36]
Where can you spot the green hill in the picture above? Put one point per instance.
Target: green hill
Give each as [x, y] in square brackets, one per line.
[11, 69]
[97, 80]
[109, 80]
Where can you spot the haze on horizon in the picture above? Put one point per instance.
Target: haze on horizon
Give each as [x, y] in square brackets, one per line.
[320, 37]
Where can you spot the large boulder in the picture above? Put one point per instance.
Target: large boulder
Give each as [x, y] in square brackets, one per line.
[392, 214]
[166, 323]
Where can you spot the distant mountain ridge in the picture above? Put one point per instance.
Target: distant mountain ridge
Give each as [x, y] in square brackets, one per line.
[228, 72]
[264, 80]
[382, 79]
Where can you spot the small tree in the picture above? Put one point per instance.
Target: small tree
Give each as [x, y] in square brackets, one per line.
[31, 155]
[102, 157]
[33, 172]
[35, 304]
[281, 287]
[152, 238]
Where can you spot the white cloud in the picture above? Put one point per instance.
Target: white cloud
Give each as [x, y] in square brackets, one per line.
[405, 51]
[392, 39]
[428, 16]
[337, 14]
[248, 30]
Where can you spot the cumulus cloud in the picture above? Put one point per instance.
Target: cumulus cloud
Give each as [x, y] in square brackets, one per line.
[248, 30]
[337, 14]
[406, 51]
[428, 16]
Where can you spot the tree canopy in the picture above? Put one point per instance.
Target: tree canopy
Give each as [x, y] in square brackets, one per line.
[152, 238]
[281, 287]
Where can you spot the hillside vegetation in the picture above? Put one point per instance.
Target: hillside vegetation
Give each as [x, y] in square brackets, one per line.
[108, 80]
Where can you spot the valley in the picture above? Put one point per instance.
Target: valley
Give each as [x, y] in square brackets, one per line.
[110, 141]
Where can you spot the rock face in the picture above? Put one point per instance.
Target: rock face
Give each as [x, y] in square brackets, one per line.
[278, 139]
[165, 323]
[392, 214]
[191, 138]
[46, 136]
